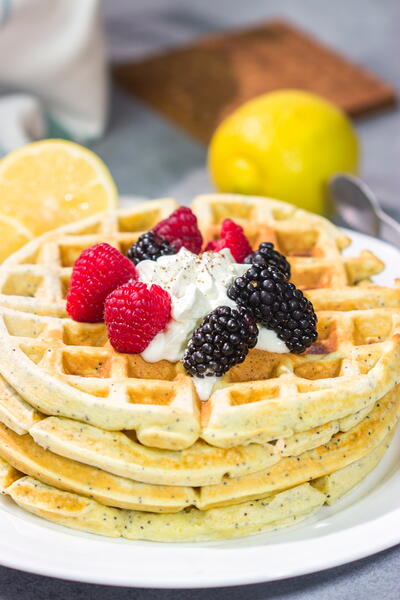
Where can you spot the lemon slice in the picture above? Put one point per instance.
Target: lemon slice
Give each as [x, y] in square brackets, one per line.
[13, 235]
[49, 183]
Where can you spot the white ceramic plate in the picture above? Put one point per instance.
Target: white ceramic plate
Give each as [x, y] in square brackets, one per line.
[364, 522]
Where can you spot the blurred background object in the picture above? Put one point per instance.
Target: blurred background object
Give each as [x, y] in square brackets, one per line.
[53, 182]
[285, 144]
[239, 65]
[150, 156]
[360, 209]
[53, 74]
[279, 144]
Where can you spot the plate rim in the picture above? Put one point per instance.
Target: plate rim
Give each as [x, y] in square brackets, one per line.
[348, 541]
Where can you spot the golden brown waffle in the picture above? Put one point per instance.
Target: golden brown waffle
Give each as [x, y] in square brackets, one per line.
[84, 497]
[129, 439]
[69, 369]
[14, 411]
[201, 464]
[36, 278]
[311, 243]
[343, 449]
[7, 474]
[31, 459]
[335, 485]
[65, 368]
[280, 509]
[49, 459]
[78, 512]
[353, 363]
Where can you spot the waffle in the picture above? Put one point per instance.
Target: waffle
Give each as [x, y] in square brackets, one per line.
[339, 483]
[78, 512]
[50, 363]
[47, 454]
[343, 449]
[353, 364]
[14, 411]
[29, 458]
[199, 465]
[7, 474]
[36, 278]
[107, 443]
[278, 510]
[20, 417]
[65, 368]
[311, 243]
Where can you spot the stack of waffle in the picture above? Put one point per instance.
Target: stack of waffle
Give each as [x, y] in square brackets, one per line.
[108, 443]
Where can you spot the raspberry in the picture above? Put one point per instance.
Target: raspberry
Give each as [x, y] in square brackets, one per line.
[97, 272]
[181, 229]
[134, 314]
[232, 237]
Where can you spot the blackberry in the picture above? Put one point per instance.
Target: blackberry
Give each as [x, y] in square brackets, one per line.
[277, 304]
[149, 247]
[267, 256]
[222, 340]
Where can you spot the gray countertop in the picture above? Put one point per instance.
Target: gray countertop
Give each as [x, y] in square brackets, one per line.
[367, 579]
[149, 156]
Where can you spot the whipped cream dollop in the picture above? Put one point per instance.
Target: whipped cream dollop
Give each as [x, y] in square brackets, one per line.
[197, 285]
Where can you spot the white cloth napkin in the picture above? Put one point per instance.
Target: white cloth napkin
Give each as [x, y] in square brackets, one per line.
[53, 73]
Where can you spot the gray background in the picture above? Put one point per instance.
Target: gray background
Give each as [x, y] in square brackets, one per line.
[149, 156]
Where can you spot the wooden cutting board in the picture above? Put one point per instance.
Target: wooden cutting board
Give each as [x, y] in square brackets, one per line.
[199, 85]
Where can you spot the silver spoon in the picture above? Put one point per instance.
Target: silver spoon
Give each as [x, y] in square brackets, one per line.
[358, 206]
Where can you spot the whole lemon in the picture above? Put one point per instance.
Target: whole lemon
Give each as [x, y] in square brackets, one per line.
[284, 144]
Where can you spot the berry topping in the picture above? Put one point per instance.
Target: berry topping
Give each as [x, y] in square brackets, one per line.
[222, 340]
[266, 256]
[278, 304]
[150, 247]
[232, 237]
[134, 314]
[181, 229]
[97, 272]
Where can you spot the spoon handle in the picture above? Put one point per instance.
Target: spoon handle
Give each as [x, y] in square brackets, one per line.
[358, 206]
[389, 228]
